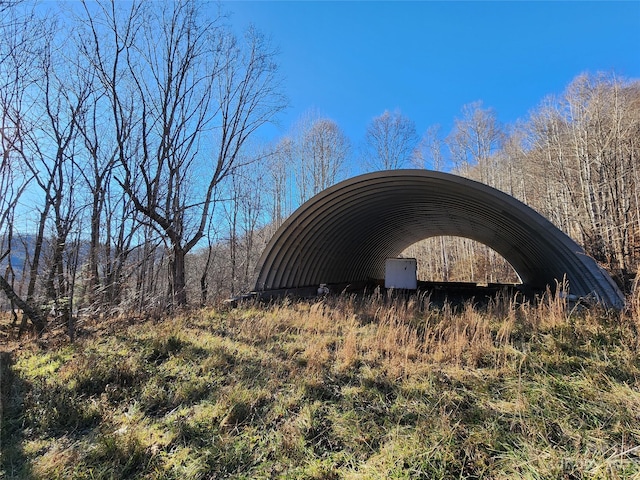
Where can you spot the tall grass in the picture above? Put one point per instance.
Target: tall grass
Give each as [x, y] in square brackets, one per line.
[381, 386]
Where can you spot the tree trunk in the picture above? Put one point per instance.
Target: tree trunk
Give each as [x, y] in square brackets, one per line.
[29, 311]
[204, 283]
[179, 276]
[93, 282]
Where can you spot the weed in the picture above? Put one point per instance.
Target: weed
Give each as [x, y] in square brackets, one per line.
[343, 387]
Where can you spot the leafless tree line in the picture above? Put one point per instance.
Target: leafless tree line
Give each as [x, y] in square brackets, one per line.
[121, 124]
[575, 160]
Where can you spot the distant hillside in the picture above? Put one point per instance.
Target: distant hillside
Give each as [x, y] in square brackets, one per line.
[22, 247]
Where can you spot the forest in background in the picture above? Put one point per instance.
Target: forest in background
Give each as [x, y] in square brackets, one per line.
[133, 177]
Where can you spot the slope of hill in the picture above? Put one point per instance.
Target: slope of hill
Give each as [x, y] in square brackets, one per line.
[339, 388]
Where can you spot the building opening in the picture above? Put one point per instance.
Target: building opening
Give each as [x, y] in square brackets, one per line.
[459, 259]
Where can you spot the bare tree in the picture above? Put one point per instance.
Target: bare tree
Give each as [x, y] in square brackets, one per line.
[281, 179]
[46, 142]
[474, 139]
[20, 40]
[211, 254]
[321, 149]
[113, 220]
[390, 141]
[327, 147]
[515, 172]
[243, 211]
[428, 153]
[111, 132]
[199, 93]
[586, 143]
[64, 96]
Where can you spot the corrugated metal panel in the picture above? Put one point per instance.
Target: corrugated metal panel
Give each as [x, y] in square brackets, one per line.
[345, 233]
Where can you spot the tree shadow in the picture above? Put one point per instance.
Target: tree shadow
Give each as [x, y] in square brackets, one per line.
[13, 461]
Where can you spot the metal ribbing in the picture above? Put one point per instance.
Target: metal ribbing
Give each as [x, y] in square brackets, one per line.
[345, 233]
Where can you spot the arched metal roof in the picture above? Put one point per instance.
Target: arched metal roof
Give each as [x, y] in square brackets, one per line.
[345, 233]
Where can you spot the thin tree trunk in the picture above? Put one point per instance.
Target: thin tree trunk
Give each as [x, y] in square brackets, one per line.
[179, 276]
[36, 319]
[204, 283]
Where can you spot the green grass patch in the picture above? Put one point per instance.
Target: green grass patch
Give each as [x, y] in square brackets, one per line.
[341, 388]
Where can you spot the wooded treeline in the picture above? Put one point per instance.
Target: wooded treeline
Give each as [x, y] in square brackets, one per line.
[124, 125]
[133, 177]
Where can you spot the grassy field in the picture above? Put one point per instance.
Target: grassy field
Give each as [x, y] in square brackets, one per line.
[352, 388]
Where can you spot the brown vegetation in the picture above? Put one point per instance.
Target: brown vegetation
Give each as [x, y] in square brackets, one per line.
[343, 387]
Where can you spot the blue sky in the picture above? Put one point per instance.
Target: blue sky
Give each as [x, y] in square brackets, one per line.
[352, 60]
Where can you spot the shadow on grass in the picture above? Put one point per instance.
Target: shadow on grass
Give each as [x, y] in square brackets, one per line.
[13, 462]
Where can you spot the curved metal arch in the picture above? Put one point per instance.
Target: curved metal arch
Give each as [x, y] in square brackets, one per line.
[345, 233]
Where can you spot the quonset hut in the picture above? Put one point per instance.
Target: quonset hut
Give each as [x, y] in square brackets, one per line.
[345, 234]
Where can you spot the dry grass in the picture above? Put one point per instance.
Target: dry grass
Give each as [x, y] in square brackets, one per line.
[342, 387]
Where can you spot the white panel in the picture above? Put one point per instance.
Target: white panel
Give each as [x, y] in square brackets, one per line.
[401, 273]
